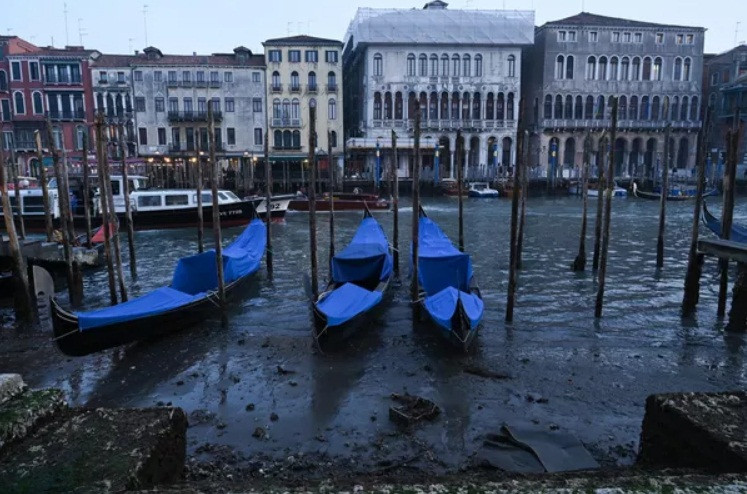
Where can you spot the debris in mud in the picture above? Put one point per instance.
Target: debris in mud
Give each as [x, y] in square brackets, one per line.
[250, 407]
[259, 433]
[284, 372]
[482, 372]
[274, 417]
[413, 409]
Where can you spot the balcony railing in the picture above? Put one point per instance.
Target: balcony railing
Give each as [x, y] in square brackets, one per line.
[103, 82]
[295, 88]
[193, 116]
[215, 83]
[276, 88]
[190, 147]
[185, 84]
[446, 124]
[176, 147]
[66, 115]
[311, 88]
[201, 83]
[61, 81]
[286, 122]
[601, 123]
[331, 88]
[172, 83]
[24, 145]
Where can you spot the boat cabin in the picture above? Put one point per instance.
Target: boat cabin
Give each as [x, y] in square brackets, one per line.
[32, 202]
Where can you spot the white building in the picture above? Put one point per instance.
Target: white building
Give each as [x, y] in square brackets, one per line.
[464, 67]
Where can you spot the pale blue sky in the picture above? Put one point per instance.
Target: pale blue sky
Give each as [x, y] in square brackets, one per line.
[184, 26]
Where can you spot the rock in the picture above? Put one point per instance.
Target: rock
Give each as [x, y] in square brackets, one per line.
[413, 409]
[284, 372]
[10, 386]
[292, 383]
[274, 417]
[180, 383]
[22, 413]
[250, 407]
[259, 433]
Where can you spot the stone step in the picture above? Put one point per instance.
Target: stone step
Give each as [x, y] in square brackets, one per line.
[25, 411]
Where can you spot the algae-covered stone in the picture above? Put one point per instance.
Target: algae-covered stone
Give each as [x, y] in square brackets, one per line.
[10, 386]
[22, 413]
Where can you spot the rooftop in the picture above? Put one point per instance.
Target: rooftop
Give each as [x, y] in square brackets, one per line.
[154, 56]
[588, 19]
[301, 39]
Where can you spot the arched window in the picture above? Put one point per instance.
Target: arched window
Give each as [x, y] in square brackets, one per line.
[465, 106]
[476, 107]
[602, 69]
[378, 65]
[57, 136]
[578, 114]
[694, 109]
[455, 106]
[656, 76]
[635, 70]
[423, 65]
[411, 65]
[569, 67]
[333, 139]
[312, 80]
[296, 139]
[278, 139]
[600, 107]
[489, 107]
[655, 108]
[286, 108]
[387, 106]
[684, 108]
[434, 65]
[37, 101]
[622, 107]
[589, 109]
[559, 67]
[548, 107]
[398, 105]
[3, 81]
[455, 65]
[614, 64]
[332, 80]
[100, 102]
[510, 106]
[677, 69]
[295, 81]
[423, 106]
[80, 131]
[295, 108]
[688, 70]
[377, 106]
[444, 65]
[287, 139]
[500, 111]
[276, 110]
[625, 69]
[19, 103]
[633, 108]
[645, 110]
[568, 107]
[511, 69]
[466, 66]
[646, 75]
[558, 114]
[591, 68]
[478, 65]
[276, 79]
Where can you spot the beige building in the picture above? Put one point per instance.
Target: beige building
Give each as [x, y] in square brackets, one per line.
[302, 70]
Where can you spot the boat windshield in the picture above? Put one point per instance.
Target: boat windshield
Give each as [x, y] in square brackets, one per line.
[231, 195]
[480, 186]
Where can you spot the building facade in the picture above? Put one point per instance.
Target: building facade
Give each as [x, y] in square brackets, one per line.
[577, 64]
[304, 71]
[723, 86]
[462, 66]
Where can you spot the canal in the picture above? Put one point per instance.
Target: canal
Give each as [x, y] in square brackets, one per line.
[565, 370]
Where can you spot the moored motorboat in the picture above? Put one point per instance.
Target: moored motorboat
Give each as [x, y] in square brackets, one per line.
[676, 193]
[189, 298]
[738, 232]
[593, 191]
[360, 277]
[450, 188]
[342, 202]
[482, 190]
[449, 294]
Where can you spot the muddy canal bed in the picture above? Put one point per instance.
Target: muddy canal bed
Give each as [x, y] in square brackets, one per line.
[263, 400]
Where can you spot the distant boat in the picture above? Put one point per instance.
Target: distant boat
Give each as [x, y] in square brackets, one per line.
[738, 233]
[676, 193]
[576, 189]
[360, 278]
[343, 202]
[449, 293]
[481, 190]
[190, 298]
[450, 188]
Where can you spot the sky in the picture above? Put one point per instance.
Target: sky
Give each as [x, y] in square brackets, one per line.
[186, 26]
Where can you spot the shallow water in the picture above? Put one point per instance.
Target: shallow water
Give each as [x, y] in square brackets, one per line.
[594, 375]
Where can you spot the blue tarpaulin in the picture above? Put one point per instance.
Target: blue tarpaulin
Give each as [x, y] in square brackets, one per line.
[346, 302]
[193, 277]
[440, 264]
[738, 233]
[366, 256]
[443, 304]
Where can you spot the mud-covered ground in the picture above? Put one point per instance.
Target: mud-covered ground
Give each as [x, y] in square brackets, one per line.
[264, 402]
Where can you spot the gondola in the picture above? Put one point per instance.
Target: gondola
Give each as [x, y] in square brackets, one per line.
[361, 275]
[449, 294]
[738, 233]
[190, 298]
[675, 194]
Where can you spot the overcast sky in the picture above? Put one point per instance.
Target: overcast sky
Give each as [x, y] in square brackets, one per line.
[184, 26]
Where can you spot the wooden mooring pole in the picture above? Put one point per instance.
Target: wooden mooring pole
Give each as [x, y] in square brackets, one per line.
[198, 187]
[128, 207]
[312, 203]
[395, 205]
[514, 234]
[217, 238]
[17, 193]
[268, 200]
[694, 261]
[460, 187]
[727, 215]
[331, 192]
[607, 214]
[109, 196]
[45, 186]
[601, 146]
[86, 191]
[664, 194]
[524, 191]
[21, 294]
[104, 207]
[414, 285]
[579, 264]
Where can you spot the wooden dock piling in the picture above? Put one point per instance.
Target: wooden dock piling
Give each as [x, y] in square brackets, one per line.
[579, 264]
[395, 204]
[45, 187]
[600, 198]
[514, 235]
[217, 238]
[17, 193]
[414, 288]
[460, 187]
[268, 200]
[331, 192]
[607, 214]
[727, 214]
[128, 208]
[198, 188]
[106, 191]
[86, 191]
[664, 192]
[523, 211]
[104, 207]
[312, 203]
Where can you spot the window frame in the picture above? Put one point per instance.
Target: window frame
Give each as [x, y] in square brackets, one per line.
[13, 64]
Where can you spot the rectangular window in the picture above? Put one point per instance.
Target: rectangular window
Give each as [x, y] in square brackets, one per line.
[562, 35]
[15, 71]
[139, 76]
[330, 56]
[257, 105]
[214, 76]
[571, 35]
[157, 76]
[120, 77]
[5, 110]
[200, 76]
[659, 38]
[593, 36]
[228, 77]
[161, 136]
[312, 56]
[679, 39]
[638, 37]
[172, 75]
[275, 56]
[615, 36]
[294, 56]
[201, 105]
[229, 105]
[103, 79]
[216, 104]
[626, 37]
[175, 136]
[149, 201]
[160, 106]
[258, 136]
[186, 76]
[142, 133]
[34, 71]
[188, 105]
[715, 78]
[173, 104]
[177, 200]
[256, 77]
[690, 39]
[231, 136]
[140, 103]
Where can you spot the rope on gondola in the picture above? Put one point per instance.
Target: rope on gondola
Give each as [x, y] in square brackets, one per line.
[65, 335]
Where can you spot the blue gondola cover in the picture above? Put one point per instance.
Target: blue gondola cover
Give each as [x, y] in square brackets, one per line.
[346, 302]
[738, 233]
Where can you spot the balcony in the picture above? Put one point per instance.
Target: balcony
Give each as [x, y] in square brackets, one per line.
[26, 145]
[286, 122]
[295, 88]
[63, 81]
[176, 148]
[66, 115]
[331, 88]
[103, 82]
[172, 83]
[121, 82]
[193, 116]
[201, 84]
[605, 123]
[276, 88]
[215, 84]
[185, 84]
[311, 89]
